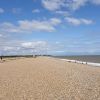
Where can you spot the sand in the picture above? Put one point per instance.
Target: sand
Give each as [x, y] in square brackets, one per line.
[45, 78]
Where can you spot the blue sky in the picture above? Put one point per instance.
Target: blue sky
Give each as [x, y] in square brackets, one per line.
[59, 27]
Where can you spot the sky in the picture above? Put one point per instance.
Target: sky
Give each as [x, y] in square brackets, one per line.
[55, 27]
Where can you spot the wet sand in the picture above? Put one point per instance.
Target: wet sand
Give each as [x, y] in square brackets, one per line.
[45, 78]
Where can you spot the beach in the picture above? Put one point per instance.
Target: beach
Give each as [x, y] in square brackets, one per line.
[47, 78]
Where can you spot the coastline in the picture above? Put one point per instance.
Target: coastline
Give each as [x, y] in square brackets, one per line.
[82, 62]
[92, 60]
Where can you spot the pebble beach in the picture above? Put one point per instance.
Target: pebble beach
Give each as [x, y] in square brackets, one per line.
[45, 78]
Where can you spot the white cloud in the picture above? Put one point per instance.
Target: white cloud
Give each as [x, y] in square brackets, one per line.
[9, 27]
[36, 25]
[75, 21]
[46, 25]
[27, 26]
[55, 21]
[43, 47]
[1, 35]
[54, 5]
[76, 4]
[35, 11]
[1, 10]
[27, 44]
[17, 47]
[86, 21]
[65, 13]
[35, 44]
[9, 48]
[97, 2]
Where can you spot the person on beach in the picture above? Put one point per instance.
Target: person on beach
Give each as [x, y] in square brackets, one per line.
[1, 57]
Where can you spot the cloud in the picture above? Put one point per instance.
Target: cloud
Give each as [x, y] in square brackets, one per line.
[35, 44]
[97, 2]
[76, 4]
[22, 47]
[1, 35]
[54, 5]
[9, 48]
[43, 47]
[26, 26]
[58, 4]
[86, 21]
[35, 11]
[29, 47]
[1, 10]
[75, 21]
[55, 21]
[36, 25]
[64, 13]
[9, 28]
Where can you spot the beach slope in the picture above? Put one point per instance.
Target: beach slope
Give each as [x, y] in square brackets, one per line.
[44, 78]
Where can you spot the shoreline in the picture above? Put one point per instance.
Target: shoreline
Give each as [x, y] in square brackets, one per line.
[79, 62]
[82, 62]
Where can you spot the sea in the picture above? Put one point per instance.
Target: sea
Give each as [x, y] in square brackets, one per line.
[84, 58]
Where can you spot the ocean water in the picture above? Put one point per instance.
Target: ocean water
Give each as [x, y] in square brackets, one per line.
[84, 58]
